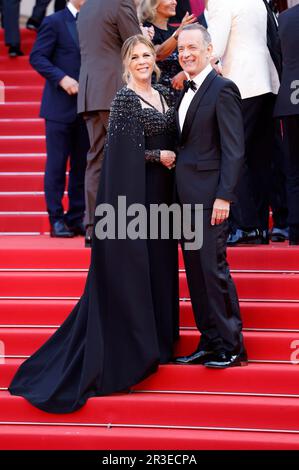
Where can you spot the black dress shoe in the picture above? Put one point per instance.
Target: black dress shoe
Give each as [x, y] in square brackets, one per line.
[279, 235]
[78, 229]
[32, 24]
[60, 230]
[15, 51]
[223, 360]
[198, 357]
[252, 237]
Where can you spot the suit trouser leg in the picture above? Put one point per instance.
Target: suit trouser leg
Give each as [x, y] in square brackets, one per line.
[58, 141]
[97, 124]
[39, 9]
[78, 153]
[11, 15]
[213, 293]
[291, 127]
[59, 5]
[278, 197]
[253, 189]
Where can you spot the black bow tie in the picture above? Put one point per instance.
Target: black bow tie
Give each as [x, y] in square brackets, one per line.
[190, 84]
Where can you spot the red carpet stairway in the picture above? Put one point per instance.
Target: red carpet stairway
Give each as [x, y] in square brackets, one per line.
[255, 407]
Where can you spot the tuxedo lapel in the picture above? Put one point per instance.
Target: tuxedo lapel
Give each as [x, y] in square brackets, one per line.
[71, 25]
[195, 103]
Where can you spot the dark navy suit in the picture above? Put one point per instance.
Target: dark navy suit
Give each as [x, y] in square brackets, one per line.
[56, 54]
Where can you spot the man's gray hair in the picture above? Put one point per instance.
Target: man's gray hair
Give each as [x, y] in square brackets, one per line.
[198, 27]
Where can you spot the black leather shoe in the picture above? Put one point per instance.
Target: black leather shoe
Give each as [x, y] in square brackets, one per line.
[279, 235]
[294, 242]
[15, 51]
[32, 24]
[223, 360]
[198, 357]
[78, 229]
[60, 230]
[252, 237]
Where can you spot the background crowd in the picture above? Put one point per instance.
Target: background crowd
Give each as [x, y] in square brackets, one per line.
[255, 45]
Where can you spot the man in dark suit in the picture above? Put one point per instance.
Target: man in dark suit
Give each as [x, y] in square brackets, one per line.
[10, 20]
[39, 12]
[287, 107]
[56, 56]
[210, 156]
[103, 27]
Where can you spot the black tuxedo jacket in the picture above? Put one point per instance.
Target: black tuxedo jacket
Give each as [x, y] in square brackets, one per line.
[211, 150]
[289, 37]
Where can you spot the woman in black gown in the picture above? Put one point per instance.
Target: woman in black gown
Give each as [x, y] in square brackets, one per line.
[126, 321]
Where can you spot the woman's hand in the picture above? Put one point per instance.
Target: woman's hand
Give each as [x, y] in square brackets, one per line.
[148, 32]
[177, 82]
[167, 158]
[188, 19]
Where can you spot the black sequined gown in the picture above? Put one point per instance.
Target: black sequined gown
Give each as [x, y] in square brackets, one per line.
[126, 321]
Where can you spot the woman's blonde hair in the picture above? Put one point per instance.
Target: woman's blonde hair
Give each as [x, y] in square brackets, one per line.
[147, 10]
[127, 52]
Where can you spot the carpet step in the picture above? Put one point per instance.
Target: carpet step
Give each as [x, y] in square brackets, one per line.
[68, 284]
[25, 202]
[26, 144]
[19, 111]
[261, 346]
[22, 127]
[21, 78]
[16, 63]
[34, 223]
[30, 162]
[255, 315]
[46, 437]
[22, 93]
[181, 410]
[255, 379]
[18, 181]
[257, 286]
[44, 252]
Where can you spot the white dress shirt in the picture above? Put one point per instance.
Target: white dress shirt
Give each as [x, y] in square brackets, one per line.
[188, 97]
[72, 9]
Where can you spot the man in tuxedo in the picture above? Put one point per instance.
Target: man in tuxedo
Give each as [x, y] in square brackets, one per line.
[210, 156]
[103, 27]
[287, 108]
[245, 38]
[39, 12]
[56, 56]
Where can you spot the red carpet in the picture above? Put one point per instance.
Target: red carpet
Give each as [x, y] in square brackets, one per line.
[254, 407]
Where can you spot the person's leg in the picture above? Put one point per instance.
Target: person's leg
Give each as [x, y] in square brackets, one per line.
[11, 14]
[96, 123]
[58, 141]
[291, 138]
[278, 198]
[79, 149]
[39, 10]
[59, 5]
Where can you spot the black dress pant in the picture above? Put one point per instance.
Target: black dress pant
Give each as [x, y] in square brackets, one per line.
[66, 141]
[40, 8]
[213, 293]
[278, 195]
[10, 19]
[291, 139]
[253, 189]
